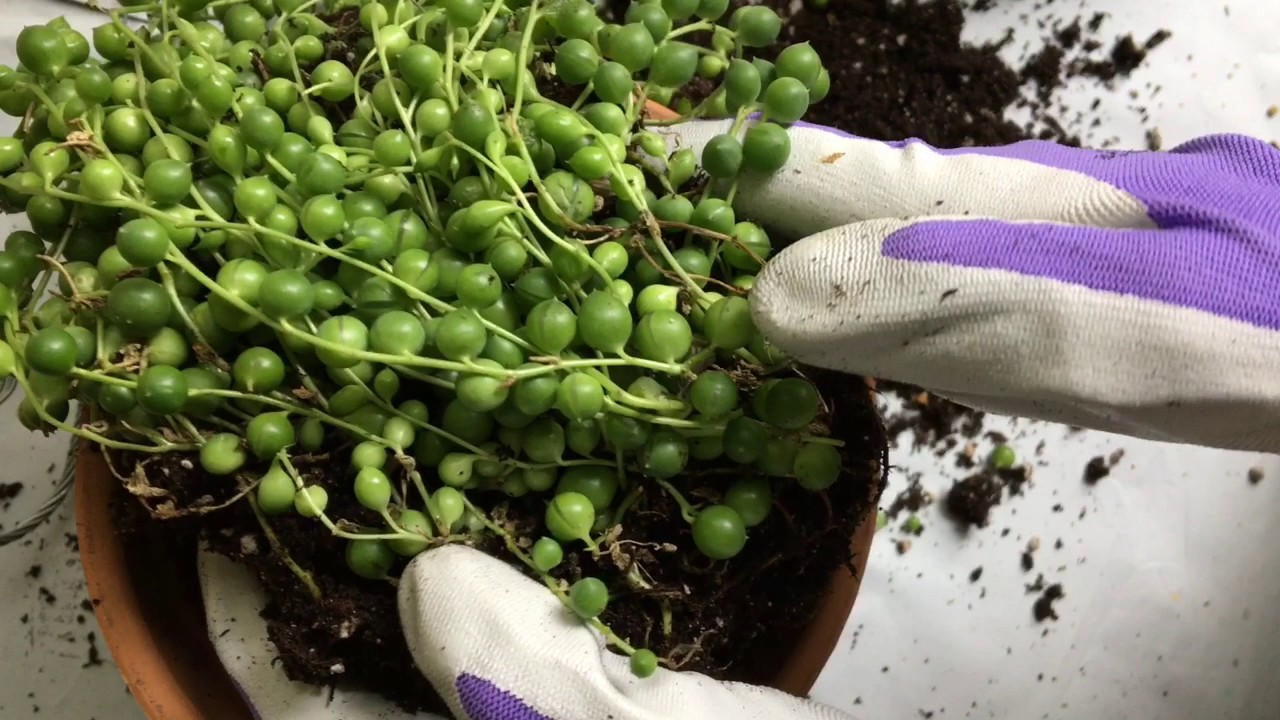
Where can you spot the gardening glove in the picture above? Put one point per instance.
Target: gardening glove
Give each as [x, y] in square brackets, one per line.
[499, 646]
[1133, 292]
[496, 646]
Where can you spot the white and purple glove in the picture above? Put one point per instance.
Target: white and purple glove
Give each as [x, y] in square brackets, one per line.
[1135, 292]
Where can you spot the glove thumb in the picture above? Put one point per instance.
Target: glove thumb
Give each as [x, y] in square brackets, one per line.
[499, 646]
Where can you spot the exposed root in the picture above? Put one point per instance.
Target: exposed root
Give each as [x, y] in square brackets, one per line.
[140, 486]
[681, 655]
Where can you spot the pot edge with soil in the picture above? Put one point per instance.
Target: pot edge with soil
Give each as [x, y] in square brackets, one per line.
[147, 602]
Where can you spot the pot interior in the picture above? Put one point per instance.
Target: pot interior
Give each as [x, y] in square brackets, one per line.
[147, 600]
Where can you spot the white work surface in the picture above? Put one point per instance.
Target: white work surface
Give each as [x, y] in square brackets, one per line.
[1170, 576]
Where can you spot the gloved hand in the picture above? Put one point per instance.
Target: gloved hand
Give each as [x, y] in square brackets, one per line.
[1133, 292]
[495, 644]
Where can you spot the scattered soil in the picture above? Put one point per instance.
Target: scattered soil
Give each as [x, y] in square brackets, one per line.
[1044, 69]
[930, 421]
[1125, 57]
[912, 499]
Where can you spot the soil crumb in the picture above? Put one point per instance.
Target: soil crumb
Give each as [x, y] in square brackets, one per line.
[930, 421]
[9, 491]
[1015, 478]
[912, 499]
[1043, 608]
[1098, 468]
[95, 656]
[1036, 586]
[1125, 57]
[970, 500]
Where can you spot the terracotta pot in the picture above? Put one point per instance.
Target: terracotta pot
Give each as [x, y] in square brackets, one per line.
[148, 604]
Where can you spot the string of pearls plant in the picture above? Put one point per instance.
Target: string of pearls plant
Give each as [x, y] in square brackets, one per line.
[442, 232]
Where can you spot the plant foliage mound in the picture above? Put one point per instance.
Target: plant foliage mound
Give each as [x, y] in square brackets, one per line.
[447, 237]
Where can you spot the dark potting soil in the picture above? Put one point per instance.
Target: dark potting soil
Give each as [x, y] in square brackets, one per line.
[351, 637]
[899, 70]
